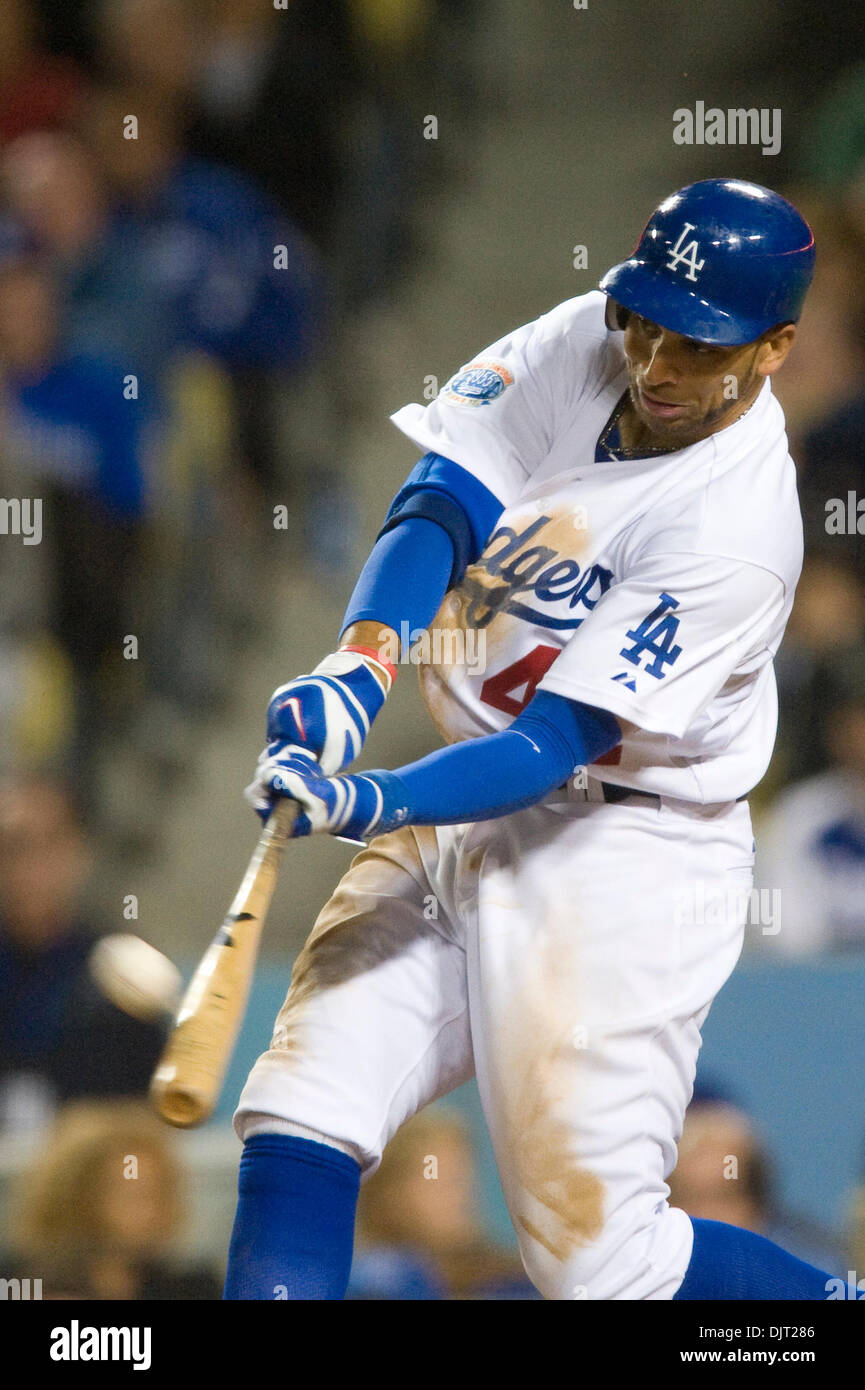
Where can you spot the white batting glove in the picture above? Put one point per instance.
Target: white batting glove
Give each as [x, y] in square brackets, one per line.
[353, 806]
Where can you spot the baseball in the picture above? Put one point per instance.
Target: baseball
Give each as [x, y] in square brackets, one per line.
[135, 976]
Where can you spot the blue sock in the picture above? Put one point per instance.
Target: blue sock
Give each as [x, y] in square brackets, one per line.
[294, 1228]
[729, 1263]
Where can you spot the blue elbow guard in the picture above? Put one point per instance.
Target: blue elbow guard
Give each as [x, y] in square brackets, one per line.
[440, 490]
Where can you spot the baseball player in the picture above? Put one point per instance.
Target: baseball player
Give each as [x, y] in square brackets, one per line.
[607, 508]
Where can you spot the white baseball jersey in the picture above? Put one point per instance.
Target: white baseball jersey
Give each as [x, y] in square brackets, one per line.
[657, 588]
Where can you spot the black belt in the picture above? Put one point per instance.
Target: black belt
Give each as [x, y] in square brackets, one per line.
[613, 792]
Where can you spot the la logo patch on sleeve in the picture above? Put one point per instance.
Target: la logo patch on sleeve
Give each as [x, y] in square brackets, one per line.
[479, 383]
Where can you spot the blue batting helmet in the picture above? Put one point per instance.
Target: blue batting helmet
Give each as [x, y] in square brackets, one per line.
[720, 261]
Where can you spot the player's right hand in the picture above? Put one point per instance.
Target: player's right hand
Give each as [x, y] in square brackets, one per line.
[353, 806]
[329, 712]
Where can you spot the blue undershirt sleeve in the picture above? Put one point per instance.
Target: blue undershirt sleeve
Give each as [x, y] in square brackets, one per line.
[405, 578]
[492, 776]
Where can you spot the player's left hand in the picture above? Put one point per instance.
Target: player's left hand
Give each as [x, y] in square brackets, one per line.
[352, 806]
[329, 712]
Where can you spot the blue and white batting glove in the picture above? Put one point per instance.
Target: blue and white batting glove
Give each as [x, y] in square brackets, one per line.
[329, 712]
[356, 807]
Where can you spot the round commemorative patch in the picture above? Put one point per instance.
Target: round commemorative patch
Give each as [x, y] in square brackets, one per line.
[480, 383]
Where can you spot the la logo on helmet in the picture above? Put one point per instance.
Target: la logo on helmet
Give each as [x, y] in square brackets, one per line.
[688, 254]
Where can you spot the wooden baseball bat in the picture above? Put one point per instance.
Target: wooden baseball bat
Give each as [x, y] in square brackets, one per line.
[191, 1070]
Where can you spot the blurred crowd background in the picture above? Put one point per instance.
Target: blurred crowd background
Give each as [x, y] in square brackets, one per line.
[186, 235]
[235, 235]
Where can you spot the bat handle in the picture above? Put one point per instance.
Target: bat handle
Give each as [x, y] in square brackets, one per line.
[281, 819]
